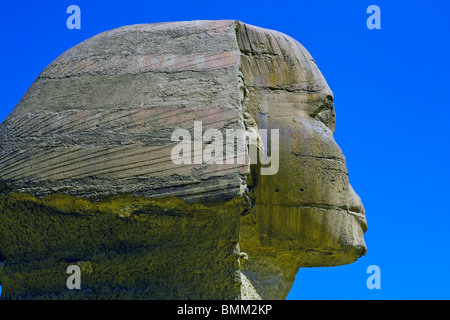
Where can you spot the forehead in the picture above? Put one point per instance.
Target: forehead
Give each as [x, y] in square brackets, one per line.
[281, 76]
[271, 59]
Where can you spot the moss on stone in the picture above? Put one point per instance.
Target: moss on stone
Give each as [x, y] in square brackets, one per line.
[271, 270]
[126, 247]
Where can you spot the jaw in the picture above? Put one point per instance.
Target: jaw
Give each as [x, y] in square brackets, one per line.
[279, 240]
[316, 236]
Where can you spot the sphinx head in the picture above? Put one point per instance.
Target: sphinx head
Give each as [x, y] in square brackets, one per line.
[308, 202]
[307, 211]
[99, 120]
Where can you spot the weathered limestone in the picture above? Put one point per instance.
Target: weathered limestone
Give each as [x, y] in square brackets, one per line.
[97, 123]
[98, 120]
[307, 214]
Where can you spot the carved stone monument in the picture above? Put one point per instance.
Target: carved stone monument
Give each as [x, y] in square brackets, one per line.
[89, 178]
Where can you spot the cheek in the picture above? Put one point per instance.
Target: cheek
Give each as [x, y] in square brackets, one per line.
[312, 169]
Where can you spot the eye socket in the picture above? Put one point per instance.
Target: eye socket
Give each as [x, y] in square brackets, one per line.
[325, 113]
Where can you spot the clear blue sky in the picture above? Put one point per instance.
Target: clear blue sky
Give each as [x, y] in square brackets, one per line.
[393, 112]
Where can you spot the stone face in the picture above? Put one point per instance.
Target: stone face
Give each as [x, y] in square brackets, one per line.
[98, 122]
[307, 213]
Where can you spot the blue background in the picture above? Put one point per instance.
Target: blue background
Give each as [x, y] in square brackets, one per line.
[391, 92]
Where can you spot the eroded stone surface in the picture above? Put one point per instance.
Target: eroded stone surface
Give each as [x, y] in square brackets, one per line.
[98, 122]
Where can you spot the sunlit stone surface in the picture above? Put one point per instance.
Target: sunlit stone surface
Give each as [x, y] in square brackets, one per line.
[88, 178]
